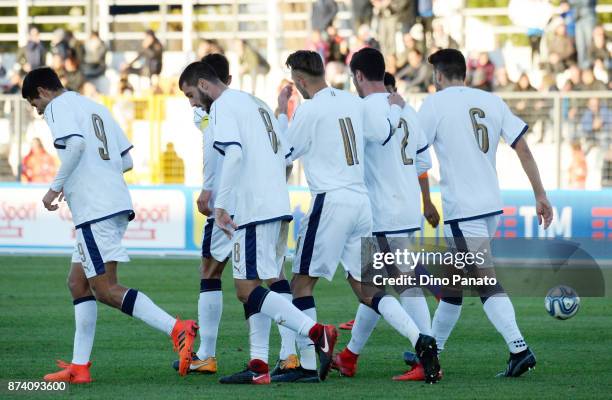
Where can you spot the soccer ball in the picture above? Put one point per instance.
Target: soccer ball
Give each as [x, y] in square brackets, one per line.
[562, 302]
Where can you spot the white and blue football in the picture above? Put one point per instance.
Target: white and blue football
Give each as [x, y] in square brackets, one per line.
[562, 302]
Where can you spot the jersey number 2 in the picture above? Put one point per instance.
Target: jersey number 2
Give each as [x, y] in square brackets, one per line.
[405, 159]
[350, 145]
[270, 128]
[101, 135]
[480, 131]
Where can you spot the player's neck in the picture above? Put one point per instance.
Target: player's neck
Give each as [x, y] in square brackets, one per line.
[453, 83]
[374, 87]
[317, 88]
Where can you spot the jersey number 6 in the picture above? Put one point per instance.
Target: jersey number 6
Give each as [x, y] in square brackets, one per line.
[101, 135]
[270, 128]
[480, 131]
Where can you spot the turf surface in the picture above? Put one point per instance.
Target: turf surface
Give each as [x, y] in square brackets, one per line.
[131, 360]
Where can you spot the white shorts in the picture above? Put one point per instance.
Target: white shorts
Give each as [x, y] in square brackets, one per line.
[331, 233]
[99, 243]
[215, 243]
[258, 251]
[473, 235]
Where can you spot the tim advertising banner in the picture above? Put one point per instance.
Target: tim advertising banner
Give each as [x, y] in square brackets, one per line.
[167, 221]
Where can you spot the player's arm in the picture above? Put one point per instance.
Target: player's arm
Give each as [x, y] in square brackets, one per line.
[428, 120]
[379, 128]
[209, 177]
[75, 146]
[126, 162]
[429, 209]
[543, 207]
[298, 134]
[230, 174]
[513, 129]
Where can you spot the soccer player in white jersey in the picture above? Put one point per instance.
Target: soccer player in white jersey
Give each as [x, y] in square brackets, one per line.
[465, 125]
[95, 153]
[329, 132]
[217, 247]
[394, 197]
[254, 172]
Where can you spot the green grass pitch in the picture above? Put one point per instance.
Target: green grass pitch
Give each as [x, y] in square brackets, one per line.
[131, 360]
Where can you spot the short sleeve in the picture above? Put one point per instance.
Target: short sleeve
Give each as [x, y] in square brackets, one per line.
[512, 127]
[209, 160]
[63, 122]
[123, 143]
[299, 133]
[225, 128]
[428, 120]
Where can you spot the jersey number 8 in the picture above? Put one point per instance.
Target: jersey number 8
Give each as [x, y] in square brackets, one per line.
[270, 128]
[101, 135]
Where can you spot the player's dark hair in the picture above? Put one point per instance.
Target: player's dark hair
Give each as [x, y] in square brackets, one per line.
[449, 62]
[44, 78]
[219, 63]
[197, 70]
[370, 62]
[306, 61]
[389, 80]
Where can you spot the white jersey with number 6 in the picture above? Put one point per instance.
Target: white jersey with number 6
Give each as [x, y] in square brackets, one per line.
[465, 126]
[261, 193]
[96, 189]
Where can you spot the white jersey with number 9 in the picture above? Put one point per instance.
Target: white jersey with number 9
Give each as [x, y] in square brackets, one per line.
[96, 189]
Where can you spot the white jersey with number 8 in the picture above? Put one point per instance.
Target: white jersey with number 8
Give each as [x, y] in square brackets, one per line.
[96, 189]
[465, 126]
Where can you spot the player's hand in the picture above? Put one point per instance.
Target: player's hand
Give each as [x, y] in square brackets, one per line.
[202, 203]
[431, 214]
[395, 98]
[49, 199]
[225, 222]
[283, 98]
[544, 211]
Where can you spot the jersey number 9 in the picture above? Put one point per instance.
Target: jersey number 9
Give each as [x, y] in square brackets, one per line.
[270, 128]
[480, 131]
[101, 135]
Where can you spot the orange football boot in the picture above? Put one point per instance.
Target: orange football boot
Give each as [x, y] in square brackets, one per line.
[417, 373]
[71, 373]
[183, 336]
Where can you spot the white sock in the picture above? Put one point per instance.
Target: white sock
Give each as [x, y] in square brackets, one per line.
[414, 303]
[392, 311]
[283, 312]
[365, 322]
[500, 311]
[85, 316]
[146, 311]
[287, 335]
[444, 321]
[210, 308]
[259, 336]
[308, 356]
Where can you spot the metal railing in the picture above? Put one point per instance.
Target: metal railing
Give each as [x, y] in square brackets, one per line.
[570, 136]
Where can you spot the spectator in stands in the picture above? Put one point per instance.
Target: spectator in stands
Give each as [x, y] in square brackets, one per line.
[406, 13]
[363, 39]
[323, 14]
[577, 170]
[480, 72]
[150, 55]
[90, 90]
[502, 81]
[441, 38]
[409, 45]
[172, 166]
[569, 18]
[362, 13]
[208, 46]
[14, 84]
[57, 64]
[252, 63]
[426, 16]
[38, 166]
[94, 59]
[318, 45]
[386, 23]
[600, 46]
[337, 45]
[589, 83]
[59, 44]
[73, 77]
[586, 18]
[75, 47]
[416, 75]
[561, 51]
[33, 55]
[524, 108]
[601, 72]
[596, 123]
[389, 81]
